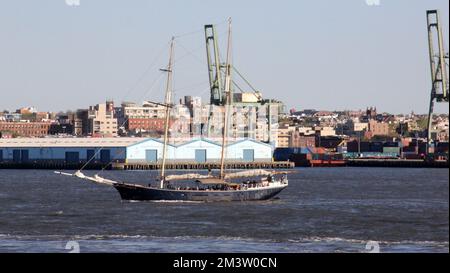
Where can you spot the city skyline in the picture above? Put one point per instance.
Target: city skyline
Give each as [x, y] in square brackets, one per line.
[59, 57]
[361, 109]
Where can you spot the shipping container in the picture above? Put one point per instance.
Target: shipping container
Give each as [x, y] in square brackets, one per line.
[391, 150]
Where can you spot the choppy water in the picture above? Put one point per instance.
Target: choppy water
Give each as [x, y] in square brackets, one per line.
[322, 210]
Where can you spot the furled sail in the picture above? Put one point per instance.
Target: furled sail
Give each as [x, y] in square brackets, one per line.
[187, 176]
[95, 179]
[250, 173]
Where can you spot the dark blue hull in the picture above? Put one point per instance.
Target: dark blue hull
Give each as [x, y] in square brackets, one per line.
[141, 193]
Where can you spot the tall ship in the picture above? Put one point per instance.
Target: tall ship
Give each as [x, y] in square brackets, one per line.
[246, 185]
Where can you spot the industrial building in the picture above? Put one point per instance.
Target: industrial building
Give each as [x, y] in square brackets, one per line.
[129, 150]
[70, 150]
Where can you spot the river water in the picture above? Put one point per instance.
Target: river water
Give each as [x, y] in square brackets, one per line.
[322, 210]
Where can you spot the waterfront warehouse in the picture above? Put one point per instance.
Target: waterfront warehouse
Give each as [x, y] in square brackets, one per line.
[128, 150]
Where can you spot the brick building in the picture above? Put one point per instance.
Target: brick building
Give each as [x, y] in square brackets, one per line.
[26, 129]
[377, 129]
[147, 124]
[298, 140]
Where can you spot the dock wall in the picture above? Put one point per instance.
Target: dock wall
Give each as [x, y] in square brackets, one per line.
[61, 165]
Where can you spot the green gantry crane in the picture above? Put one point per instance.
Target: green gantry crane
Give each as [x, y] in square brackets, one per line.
[438, 64]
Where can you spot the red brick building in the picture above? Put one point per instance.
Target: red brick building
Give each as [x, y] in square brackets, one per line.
[25, 129]
[147, 124]
[377, 129]
[298, 140]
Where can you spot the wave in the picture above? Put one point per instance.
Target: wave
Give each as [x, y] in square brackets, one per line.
[360, 241]
[218, 238]
[213, 244]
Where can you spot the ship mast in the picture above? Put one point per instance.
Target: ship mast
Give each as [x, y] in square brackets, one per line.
[167, 102]
[227, 102]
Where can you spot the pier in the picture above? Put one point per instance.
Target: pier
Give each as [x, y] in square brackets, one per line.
[61, 165]
[204, 166]
[397, 163]
[53, 165]
[389, 163]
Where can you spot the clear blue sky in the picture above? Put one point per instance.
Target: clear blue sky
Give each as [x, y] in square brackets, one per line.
[322, 54]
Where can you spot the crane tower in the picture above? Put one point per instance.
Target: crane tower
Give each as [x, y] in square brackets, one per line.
[438, 65]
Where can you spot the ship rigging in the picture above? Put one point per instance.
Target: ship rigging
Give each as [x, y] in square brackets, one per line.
[257, 185]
